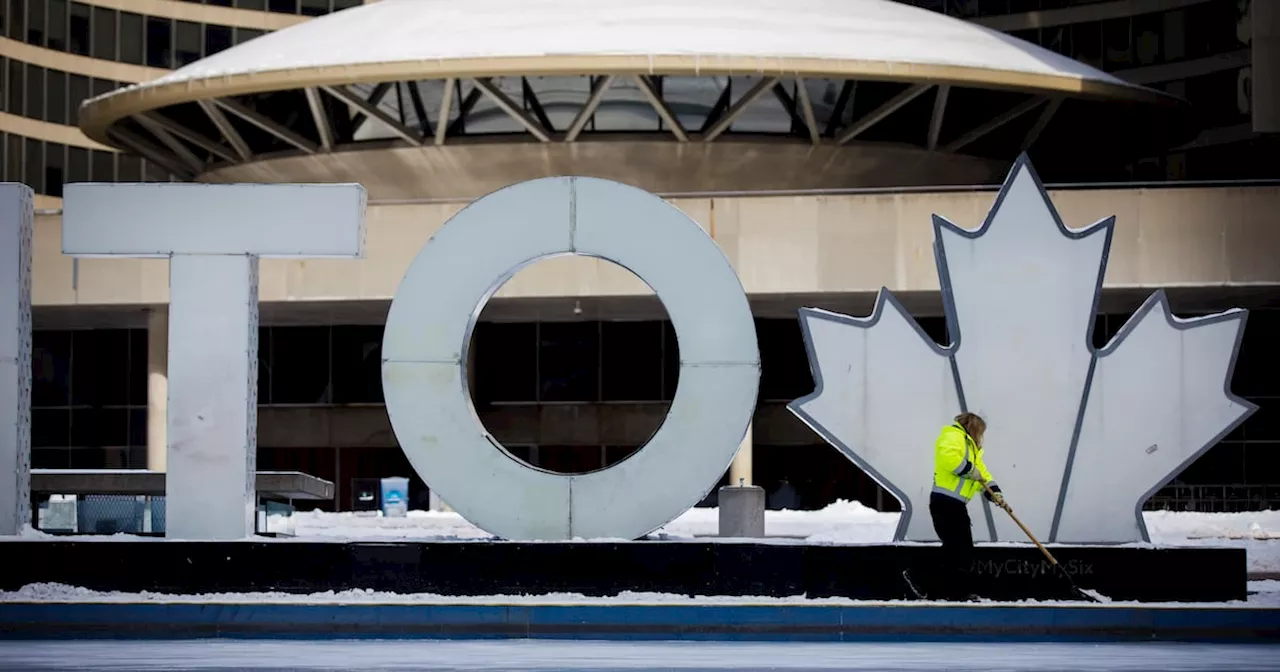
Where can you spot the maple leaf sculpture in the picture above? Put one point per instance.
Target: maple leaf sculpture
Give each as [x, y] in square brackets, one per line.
[1077, 438]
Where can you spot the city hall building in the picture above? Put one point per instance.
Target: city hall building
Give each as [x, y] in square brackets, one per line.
[813, 140]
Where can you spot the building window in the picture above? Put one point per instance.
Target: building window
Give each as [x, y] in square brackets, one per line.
[57, 29]
[77, 164]
[89, 398]
[216, 38]
[506, 362]
[243, 35]
[568, 361]
[104, 33]
[13, 158]
[299, 366]
[77, 91]
[17, 80]
[315, 7]
[132, 40]
[631, 361]
[187, 43]
[784, 365]
[357, 364]
[56, 89]
[34, 92]
[54, 168]
[33, 172]
[17, 20]
[102, 165]
[79, 29]
[159, 42]
[35, 22]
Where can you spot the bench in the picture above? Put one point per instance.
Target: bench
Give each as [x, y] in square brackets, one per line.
[272, 486]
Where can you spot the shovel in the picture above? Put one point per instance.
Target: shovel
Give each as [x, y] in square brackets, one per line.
[1091, 596]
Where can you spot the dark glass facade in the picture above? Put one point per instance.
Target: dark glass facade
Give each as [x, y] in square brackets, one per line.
[1199, 52]
[55, 96]
[303, 7]
[46, 166]
[89, 403]
[112, 35]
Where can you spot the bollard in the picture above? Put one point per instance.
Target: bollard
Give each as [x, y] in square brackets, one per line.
[741, 511]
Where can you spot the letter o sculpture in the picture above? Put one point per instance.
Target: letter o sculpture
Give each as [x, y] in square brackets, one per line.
[436, 307]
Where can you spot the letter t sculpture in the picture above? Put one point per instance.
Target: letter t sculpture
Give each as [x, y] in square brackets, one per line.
[213, 235]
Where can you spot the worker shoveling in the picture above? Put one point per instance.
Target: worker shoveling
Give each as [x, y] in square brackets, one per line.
[959, 473]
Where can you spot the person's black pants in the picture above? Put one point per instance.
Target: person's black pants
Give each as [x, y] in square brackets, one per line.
[955, 530]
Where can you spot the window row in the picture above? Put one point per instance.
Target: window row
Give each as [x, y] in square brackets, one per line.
[527, 362]
[303, 7]
[1193, 32]
[967, 9]
[47, 94]
[108, 34]
[46, 166]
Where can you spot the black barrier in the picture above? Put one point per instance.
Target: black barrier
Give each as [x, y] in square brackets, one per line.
[598, 569]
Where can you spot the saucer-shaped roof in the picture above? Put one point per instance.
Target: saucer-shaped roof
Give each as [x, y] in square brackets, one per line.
[877, 41]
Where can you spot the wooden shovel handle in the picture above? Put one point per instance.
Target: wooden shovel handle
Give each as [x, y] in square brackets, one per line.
[1030, 536]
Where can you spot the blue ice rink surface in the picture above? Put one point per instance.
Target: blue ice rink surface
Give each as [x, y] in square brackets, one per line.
[597, 655]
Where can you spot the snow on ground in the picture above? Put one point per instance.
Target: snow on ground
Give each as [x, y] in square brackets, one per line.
[843, 522]
[1263, 594]
[1258, 532]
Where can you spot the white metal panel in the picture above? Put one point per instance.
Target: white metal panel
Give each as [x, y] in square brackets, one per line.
[1159, 398]
[1077, 440]
[1023, 370]
[883, 392]
[15, 357]
[163, 218]
[719, 361]
[467, 260]
[441, 297]
[437, 428]
[213, 373]
[398, 31]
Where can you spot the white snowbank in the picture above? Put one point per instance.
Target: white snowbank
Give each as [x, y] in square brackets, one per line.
[843, 522]
[1265, 594]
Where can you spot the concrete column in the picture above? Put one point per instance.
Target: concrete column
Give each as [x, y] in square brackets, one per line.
[15, 358]
[740, 468]
[741, 511]
[157, 388]
[1266, 65]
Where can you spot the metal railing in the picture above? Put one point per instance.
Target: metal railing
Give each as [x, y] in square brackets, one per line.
[1215, 498]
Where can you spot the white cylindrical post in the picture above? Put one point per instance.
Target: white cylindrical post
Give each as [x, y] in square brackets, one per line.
[157, 388]
[740, 470]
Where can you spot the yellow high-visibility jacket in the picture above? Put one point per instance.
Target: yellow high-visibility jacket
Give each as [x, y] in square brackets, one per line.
[957, 465]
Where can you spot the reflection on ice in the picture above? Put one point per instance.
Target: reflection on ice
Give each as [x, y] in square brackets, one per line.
[579, 655]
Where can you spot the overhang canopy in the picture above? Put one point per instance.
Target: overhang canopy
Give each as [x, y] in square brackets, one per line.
[312, 86]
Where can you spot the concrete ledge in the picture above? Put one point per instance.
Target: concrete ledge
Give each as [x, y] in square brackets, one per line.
[638, 622]
[723, 568]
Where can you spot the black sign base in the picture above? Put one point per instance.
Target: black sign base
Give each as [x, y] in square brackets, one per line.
[866, 572]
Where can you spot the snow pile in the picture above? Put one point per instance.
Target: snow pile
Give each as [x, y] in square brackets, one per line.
[844, 522]
[1262, 594]
[1174, 526]
[416, 526]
